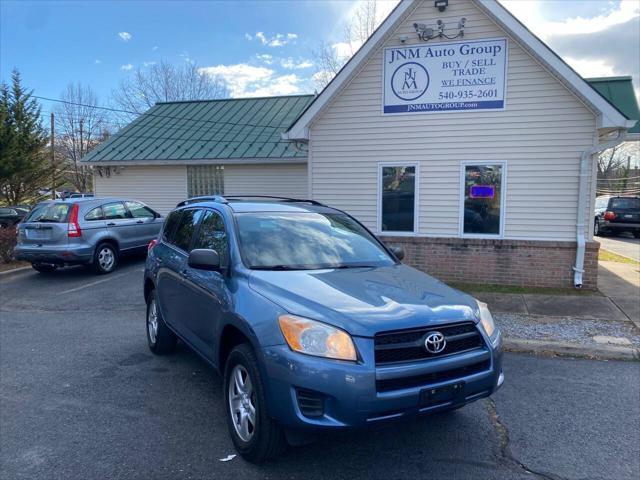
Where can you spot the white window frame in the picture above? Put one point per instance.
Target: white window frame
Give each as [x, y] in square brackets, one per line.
[416, 195]
[503, 196]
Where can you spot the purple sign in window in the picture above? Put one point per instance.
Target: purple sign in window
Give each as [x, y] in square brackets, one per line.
[482, 191]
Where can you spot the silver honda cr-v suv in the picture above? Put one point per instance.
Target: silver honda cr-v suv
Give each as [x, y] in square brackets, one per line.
[85, 231]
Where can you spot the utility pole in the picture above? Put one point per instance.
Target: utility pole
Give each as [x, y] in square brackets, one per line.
[53, 159]
[80, 176]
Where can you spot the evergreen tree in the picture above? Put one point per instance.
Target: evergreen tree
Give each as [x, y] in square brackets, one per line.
[24, 165]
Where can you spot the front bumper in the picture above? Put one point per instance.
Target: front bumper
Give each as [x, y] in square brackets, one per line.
[351, 392]
[55, 254]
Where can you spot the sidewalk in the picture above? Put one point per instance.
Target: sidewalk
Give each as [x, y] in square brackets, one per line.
[621, 283]
[605, 324]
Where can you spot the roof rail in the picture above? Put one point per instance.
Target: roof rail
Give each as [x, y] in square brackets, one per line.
[271, 197]
[206, 198]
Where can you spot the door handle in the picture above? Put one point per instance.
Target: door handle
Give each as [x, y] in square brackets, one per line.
[140, 221]
[111, 224]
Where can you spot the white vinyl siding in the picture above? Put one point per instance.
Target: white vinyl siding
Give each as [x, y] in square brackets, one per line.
[269, 179]
[160, 187]
[541, 135]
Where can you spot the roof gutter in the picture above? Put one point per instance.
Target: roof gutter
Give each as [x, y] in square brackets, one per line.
[585, 162]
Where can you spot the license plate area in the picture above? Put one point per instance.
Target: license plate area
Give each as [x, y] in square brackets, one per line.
[448, 394]
[38, 233]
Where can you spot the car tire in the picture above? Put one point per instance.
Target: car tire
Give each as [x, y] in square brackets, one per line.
[596, 229]
[636, 234]
[263, 439]
[160, 338]
[44, 268]
[105, 258]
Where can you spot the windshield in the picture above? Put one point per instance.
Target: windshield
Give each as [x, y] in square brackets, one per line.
[50, 212]
[309, 240]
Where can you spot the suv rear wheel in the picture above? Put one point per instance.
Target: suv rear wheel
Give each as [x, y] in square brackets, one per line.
[159, 337]
[105, 258]
[44, 267]
[256, 436]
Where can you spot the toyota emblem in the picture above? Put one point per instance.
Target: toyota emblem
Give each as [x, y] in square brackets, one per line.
[435, 342]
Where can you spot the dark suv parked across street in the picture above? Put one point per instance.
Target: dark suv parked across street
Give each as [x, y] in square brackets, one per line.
[617, 215]
[314, 324]
[85, 231]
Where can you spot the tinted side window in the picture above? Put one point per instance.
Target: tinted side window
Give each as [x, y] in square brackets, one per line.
[138, 210]
[114, 211]
[95, 214]
[186, 227]
[213, 235]
[169, 228]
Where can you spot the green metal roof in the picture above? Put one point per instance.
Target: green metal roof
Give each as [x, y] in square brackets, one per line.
[227, 129]
[619, 92]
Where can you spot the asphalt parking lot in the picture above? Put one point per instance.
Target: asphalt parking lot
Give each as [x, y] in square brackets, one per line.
[81, 397]
[623, 244]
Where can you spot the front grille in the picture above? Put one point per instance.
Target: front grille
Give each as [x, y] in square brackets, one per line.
[311, 403]
[408, 345]
[429, 378]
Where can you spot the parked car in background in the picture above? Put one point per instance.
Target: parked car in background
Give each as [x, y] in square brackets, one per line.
[10, 216]
[85, 231]
[313, 322]
[616, 215]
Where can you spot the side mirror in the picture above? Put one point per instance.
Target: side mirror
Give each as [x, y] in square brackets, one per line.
[398, 251]
[204, 259]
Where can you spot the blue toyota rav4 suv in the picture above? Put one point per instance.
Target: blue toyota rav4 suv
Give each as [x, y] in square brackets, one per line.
[312, 321]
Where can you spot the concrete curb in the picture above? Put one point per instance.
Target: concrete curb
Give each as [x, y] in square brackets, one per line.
[13, 271]
[542, 347]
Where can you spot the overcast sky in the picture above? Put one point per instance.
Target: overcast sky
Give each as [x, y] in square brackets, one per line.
[260, 48]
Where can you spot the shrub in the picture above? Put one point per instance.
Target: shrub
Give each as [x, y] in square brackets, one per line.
[8, 238]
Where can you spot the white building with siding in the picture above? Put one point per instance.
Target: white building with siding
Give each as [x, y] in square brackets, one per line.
[455, 133]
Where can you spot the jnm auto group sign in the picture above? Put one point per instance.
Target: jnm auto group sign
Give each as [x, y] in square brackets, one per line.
[454, 76]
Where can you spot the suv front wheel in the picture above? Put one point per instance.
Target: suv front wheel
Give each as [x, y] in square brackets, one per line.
[159, 337]
[256, 436]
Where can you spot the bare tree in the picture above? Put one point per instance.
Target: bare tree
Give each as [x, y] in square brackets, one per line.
[164, 82]
[618, 170]
[612, 161]
[80, 126]
[329, 59]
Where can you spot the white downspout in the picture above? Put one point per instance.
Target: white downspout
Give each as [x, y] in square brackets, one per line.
[582, 202]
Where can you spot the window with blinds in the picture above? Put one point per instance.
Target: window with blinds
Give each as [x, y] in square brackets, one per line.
[205, 180]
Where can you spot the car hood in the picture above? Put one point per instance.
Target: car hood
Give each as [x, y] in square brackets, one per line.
[364, 301]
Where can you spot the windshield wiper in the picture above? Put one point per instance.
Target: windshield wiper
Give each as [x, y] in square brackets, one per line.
[353, 266]
[276, 267]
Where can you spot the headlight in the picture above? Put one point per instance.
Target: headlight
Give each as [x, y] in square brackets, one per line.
[486, 319]
[316, 338]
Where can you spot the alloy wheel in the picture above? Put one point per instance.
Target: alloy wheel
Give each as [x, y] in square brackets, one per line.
[152, 322]
[106, 258]
[242, 405]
